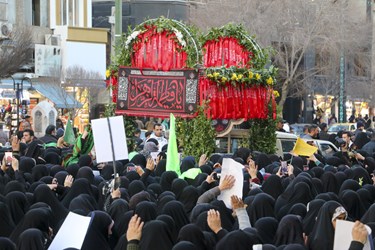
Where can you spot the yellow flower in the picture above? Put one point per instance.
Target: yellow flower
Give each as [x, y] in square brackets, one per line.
[276, 93]
[107, 73]
[216, 74]
[269, 81]
[240, 76]
[224, 79]
[257, 76]
[251, 75]
[209, 75]
[234, 77]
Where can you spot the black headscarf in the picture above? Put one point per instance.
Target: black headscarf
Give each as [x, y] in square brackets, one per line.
[329, 182]
[298, 209]
[266, 227]
[146, 210]
[60, 177]
[156, 235]
[14, 186]
[361, 139]
[52, 158]
[369, 216]
[97, 234]
[289, 231]
[178, 186]
[83, 203]
[352, 203]
[365, 197]
[80, 186]
[31, 239]
[85, 161]
[26, 164]
[44, 194]
[361, 174]
[167, 179]
[160, 168]
[135, 187]
[322, 235]
[17, 204]
[239, 240]
[189, 198]
[7, 244]
[272, 186]
[263, 205]
[170, 222]
[73, 169]
[139, 160]
[349, 184]
[186, 164]
[117, 208]
[175, 209]
[6, 222]
[184, 245]
[137, 198]
[192, 233]
[85, 173]
[39, 171]
[38, 218]
[310, 218]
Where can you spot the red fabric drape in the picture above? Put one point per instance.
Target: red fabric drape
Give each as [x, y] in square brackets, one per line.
[158, 51]
[230, 102]
[114, 86]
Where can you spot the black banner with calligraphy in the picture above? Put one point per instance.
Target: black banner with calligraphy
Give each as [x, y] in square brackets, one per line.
[153, 93]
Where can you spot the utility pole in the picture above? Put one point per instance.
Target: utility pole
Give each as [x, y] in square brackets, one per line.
[342, 96]
[118, 22]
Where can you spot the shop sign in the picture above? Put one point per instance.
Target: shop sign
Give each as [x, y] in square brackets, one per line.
[8, 93]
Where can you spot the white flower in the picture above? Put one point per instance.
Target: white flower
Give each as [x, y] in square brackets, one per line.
[134, 34]
[179, 37]
[131, 37]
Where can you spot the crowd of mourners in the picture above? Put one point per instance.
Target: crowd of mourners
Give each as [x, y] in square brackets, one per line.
[152, 208]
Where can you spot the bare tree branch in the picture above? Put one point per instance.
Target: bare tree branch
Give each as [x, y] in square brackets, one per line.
[15, 52]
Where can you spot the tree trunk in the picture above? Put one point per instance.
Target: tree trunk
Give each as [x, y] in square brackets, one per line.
[284, 93]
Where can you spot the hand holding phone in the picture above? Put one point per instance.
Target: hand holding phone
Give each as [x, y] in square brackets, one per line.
[8, 158]
[284, 167]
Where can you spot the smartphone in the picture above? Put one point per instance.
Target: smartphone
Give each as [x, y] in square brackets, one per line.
[8, 158]
[284, 167]
[117, 182]
[131, 168]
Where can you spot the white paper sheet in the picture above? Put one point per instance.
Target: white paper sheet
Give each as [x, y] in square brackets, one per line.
[72, 232]
[103, 142]
[343, 235]
[231, 167]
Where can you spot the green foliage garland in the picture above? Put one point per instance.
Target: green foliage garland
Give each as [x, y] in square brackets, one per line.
[189, 38]
[196, 136]
[260, 56]
[242, 76]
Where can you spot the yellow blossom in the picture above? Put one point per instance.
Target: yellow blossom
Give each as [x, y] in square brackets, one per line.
[257, 76]
[107, 73]
[234, 77]
[209, 75]
[216, 74]
[239, 76]
[276, 93]
[224, 79]
[269, 81]
[251, 75]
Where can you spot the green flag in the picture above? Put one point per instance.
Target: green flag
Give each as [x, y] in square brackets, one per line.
[173, 163]
[69, 133]
[191, 173]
